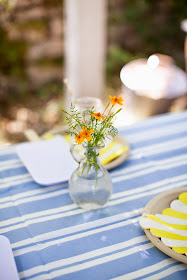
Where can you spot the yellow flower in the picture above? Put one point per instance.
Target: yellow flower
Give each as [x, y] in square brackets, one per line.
[116, 100]
[98, 116]
[79, 138]
[86, 133]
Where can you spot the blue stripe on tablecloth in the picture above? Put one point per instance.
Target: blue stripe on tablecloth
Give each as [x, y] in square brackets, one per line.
[115, 266]
[159, 155]
[120, 187]
[122, 202]
[159, 271]
[156, 121]
[179, 275]
[123, 168]
[79, 253]
[5, 156]
[144, 145]
[119, 266]
[146, 142]
[100, 268]
[117, 208]
[13, 172]
[101, 236]
[62, 239]
[22, 170]
[65, 221]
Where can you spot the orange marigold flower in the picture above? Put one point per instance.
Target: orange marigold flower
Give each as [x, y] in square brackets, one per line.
[87, 133]
[79, 138]
[98, 116]
[116, 100]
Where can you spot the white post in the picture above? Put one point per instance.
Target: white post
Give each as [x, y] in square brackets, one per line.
[85, 44]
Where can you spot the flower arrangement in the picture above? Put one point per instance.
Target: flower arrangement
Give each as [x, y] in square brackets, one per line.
[93, 127]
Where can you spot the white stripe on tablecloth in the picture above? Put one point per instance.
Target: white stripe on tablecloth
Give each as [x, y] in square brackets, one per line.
[146, 270]
[19, 196]
[133, 192]
[136, 137]
[96, 262]
[81, 227]
[84, 256]
[151, 192]
[60, 233]
[137, 166]
[13, 178]
[17, 200]
[60, 241]
[164, 119]
[9, 162]
[13, 183]
[57, 216]
[140, 152]
[159, 148]
[155, 133]
[19, 164]
[14, 164]
[167, 120]
[38, 217]
[150, 170]
[41, 196]
[25, 223]
[167, 272]
[150, 186]
[31, 193]
[7, 150]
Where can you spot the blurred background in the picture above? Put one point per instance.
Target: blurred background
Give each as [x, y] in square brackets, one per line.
[43, 41]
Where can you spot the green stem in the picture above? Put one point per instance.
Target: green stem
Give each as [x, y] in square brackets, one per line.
[83, 168]
[106, 107]
[88, 168]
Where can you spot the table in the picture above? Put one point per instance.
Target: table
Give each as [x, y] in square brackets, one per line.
[51, 238]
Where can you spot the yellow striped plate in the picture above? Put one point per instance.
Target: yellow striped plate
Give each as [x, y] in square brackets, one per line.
[164, 221]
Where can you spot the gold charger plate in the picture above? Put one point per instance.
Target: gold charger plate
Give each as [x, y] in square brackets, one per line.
[155, 206]
[120, 159]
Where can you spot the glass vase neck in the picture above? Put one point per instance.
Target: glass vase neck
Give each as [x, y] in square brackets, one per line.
[93, 148]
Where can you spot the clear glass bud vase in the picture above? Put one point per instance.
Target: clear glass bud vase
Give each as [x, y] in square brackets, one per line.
[90, 185]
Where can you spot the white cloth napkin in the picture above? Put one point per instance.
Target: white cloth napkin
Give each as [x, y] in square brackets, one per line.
[49, 161]
[8, 270]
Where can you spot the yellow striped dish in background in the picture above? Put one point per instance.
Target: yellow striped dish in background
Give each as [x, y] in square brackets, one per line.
[171, 225]
[111, 150]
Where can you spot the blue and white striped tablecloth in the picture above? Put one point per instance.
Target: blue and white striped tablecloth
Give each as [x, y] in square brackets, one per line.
[51, 238]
